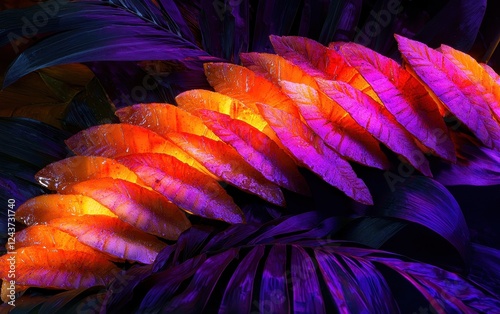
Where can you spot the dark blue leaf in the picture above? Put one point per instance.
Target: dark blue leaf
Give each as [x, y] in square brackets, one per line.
[307, 296]
[446, 291]
[105, 43]
[274, 295]
[205, 279]
[476, 164]
[426, 202]
[189, 244]
[238, 294]
[485, 268]
[355, 286]
[161, 287]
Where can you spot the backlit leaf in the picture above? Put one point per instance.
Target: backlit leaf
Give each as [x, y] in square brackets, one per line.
[320, 61]
[335, 126]
[112, 236]
[61, 269]
[376, 120]
[115, 140]
[53, 238]
[58, 175]
[43, 208]
[197, 99]
[163, 118]
[309, 149]
[404, 97]
[243, 84]
[484, 81]
[257, 149]
[184, 186]
[225, 162]
[145, 209]
[453, 88]
[276, 68]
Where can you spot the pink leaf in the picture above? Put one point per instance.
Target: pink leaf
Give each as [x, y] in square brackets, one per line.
[308, 148]
[184, 186]
[404, 97]
[258, 150]
[377, 120]
[335, 126]
[226, 163]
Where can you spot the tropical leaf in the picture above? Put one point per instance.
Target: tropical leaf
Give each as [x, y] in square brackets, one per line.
[53, 238]
[310, 150]
[289, 264]
[115, 140]
[335, 126]
[58, 175]
[241, 83]
[453, 88]
[376, 120]
[477, 74]
[147, 210]
[257, 149]
[320, 61]
[225, 162]
[112, 236]
[404, 97]
[476, 164]
[43, 208]
[195, 100]
[164, 118]
[42, 267]
[185, 186]
[278, 273]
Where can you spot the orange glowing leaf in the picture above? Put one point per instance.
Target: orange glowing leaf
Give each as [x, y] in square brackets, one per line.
[115, 140]
[111, 235]
[404, 97]
[58, 175]
[491, 72]
[144, 209]
[308, 148]
[258, 150]
[226, 163]
[335, 126]
[276, 68]
[184, 186]
[197, 99]
[53, 238]
[37, 266]
[320, 61]
[246, 86]
[43, 208]
[451, 85]
[377, 120]
[164, 118]
[489, 88]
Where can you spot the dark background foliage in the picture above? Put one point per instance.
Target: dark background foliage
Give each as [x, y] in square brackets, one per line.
[150, 51]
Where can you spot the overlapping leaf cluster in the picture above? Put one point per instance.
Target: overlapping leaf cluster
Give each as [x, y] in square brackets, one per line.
[309, 106]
